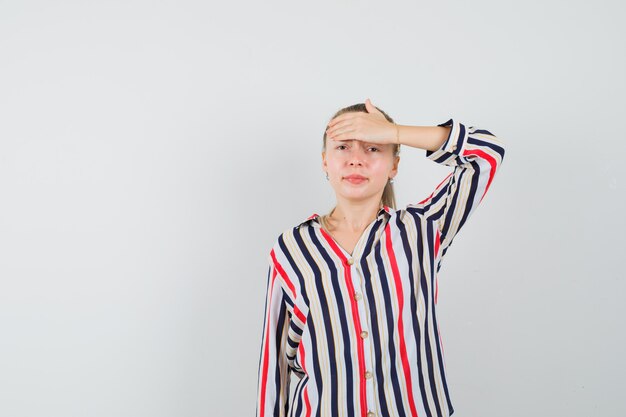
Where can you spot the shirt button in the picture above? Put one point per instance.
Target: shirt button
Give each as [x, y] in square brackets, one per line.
[350, 261]
[371, 414]
[453, 147]
[357, 296]
[363, 334]
[368, 375]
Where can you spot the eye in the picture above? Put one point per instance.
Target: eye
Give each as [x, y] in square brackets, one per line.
[375, 148]
[340, 147]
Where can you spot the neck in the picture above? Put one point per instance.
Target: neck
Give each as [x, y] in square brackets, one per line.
[354, 216]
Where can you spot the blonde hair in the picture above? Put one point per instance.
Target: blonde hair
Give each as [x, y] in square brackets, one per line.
[389, 197]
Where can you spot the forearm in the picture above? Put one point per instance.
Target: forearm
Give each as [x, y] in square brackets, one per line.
[424, 137]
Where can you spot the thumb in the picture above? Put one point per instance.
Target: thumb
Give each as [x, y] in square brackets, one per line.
[370, 107]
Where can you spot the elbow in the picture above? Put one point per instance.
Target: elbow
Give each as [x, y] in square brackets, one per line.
[498, 146]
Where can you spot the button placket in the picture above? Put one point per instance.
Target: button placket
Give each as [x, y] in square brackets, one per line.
[367, 377]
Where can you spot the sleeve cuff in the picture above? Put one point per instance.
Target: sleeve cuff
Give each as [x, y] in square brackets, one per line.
[453, 145]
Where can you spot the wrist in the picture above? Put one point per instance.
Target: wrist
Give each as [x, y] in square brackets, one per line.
[397, 139]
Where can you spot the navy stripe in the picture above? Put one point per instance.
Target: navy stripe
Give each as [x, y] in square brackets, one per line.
[416, 328]
[375, 326]
[487, 145]
[298, 400]
[383, 279]
[337, 286]
[450, 212]
[310, 323]
[278, 370]
[327, 328]
[423, 288]
[431, 254]
[460, 137]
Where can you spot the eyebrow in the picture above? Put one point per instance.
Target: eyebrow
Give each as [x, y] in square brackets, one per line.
[350, 140]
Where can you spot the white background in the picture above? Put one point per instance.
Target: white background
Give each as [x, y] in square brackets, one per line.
[151, 152]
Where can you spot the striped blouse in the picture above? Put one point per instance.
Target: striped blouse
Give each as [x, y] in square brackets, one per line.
[359, 331]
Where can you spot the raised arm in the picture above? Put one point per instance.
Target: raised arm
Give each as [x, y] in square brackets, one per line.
[476, 154]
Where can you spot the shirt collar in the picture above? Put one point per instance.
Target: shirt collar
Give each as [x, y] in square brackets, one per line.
[314, 216]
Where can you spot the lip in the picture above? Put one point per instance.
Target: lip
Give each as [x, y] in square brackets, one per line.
[355, 179]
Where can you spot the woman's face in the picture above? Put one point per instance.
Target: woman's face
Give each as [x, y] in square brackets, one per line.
[359, 170]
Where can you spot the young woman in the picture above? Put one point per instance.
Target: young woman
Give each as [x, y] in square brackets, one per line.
[351, 296]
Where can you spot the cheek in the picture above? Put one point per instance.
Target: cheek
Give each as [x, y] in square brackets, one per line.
[380, 168]
[334, 164]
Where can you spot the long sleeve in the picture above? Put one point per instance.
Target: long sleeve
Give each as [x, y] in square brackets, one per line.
[476, 154]
[273, 376]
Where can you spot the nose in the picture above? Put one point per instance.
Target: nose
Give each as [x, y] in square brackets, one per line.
[356, 156]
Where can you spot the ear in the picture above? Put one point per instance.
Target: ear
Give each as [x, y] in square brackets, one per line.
[324, 161]
[396, 163]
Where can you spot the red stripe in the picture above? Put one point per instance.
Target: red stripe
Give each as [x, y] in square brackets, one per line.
[355, 316]
[267, 347]
[436, 188]
[332, 244]
[299, 314]
[312, 216]
[437, 239]
[403, 354]
[488, 158]
[283, 274]
[307, 403]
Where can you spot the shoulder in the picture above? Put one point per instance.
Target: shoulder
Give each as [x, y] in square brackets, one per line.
[289, 237]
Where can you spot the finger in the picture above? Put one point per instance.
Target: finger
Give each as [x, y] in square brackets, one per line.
[343, 124]
[371, 108]
[334, 121]
[340, 118]
[344, 134]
